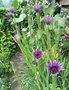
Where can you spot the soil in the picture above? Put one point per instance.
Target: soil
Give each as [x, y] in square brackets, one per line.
[17, 60]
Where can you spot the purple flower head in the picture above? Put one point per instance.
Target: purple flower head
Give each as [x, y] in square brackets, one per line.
[54, 67]
[47, 20]
[11, 9]
[9, 14]
[37, 53]
[37, 7]
[34, 61]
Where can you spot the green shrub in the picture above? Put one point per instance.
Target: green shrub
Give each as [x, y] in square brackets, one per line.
[4, 82]
[7, 45]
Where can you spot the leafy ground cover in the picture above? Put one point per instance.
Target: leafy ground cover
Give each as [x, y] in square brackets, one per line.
[7, 46]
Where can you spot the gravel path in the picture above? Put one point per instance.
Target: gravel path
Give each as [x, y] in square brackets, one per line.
[18, 63]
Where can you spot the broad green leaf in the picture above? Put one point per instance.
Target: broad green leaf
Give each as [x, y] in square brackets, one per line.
[21, 18]
[59, 21]
[24, 29]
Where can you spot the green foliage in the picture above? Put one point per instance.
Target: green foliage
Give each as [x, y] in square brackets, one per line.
[15, 3]
[6, 50]
[33, 34]
[7, 45]
[27, 82]
[3, 82]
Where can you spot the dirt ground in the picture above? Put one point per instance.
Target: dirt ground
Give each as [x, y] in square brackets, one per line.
[17, 60]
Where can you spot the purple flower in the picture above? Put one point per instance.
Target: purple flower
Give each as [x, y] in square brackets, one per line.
[47, 20]
[54, 67]
[9, 13]
[37, 7]
[37, 53]
[34, 61]
[11, 9]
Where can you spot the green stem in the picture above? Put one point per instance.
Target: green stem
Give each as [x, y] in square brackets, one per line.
[54, 85]
[47, 81]
[39, 28]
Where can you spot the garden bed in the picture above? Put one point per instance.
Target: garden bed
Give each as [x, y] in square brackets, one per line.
[41, 31]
